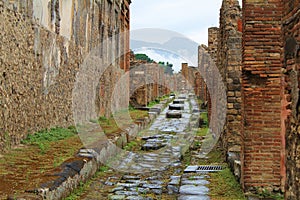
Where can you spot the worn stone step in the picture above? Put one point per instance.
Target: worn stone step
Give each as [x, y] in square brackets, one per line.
[174, 114]
[176, 107]
[178, 101]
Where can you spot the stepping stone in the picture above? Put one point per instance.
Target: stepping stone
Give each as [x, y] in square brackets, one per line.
[176, 107]
[193, 190]
[174, 114]
[193, 197]
[182, 97]
[178, 101]
[152, 146]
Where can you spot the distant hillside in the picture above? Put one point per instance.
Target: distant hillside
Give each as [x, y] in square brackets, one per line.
[178, 45]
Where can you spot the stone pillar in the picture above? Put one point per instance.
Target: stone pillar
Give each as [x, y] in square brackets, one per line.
[290, 97]
[229, 64]
[211, 79]
[185, 73]
[261, 83]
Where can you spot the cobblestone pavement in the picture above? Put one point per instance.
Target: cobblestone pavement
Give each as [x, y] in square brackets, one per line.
[156, 171]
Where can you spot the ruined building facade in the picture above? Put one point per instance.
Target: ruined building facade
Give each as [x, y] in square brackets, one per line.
[148, 81]
[44, 45]
[256, 50]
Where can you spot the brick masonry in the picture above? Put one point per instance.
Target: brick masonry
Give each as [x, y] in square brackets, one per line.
[148, 81]
[261, 83]
[260, 71]
[43, 47]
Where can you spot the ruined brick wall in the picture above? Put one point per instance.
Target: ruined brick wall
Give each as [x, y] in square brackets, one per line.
[203, 62]
[261, 84]
[211, 75]
[290, 96]
[229, 62]
[148, 82]
[41, 56]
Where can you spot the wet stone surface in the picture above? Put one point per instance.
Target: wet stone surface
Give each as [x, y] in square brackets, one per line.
[156, 171]
[156, 142]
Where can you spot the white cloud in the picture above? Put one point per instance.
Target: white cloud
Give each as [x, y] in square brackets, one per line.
[189, 17]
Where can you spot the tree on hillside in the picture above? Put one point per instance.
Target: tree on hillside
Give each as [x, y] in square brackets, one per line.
[144, 57]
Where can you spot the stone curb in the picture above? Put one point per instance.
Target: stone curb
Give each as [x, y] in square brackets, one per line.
[86, 163]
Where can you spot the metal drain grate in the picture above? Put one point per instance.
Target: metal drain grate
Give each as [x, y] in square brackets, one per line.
[203, 168]
[209, 168]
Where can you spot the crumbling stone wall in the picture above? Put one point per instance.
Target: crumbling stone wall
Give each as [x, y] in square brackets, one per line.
[261, 83]
[203, 62]
[41, 58]
[290, 96]
[229, 61]
[148, 82]
[213, 33]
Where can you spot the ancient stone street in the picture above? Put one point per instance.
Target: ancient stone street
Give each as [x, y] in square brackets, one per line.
[82, 91]
[156, 170]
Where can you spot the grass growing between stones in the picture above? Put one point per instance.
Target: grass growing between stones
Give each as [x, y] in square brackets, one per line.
[202, 132]
[223, 185]
[28, 165]
[82, 188]
[158, 100]
[153, 103]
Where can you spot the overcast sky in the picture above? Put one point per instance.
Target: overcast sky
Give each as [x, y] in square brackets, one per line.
[191, 18]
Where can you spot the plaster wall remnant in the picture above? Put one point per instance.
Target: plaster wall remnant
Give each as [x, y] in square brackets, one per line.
[45, 43]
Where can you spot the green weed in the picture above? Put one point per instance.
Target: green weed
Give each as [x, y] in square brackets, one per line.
[43, 138]
[153, 103]
[224, 185]
[202, 132]
[130, 146]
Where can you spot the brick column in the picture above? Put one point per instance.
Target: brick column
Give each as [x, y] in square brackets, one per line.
[261, 84]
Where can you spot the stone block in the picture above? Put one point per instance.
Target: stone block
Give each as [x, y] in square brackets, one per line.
[174, 114]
